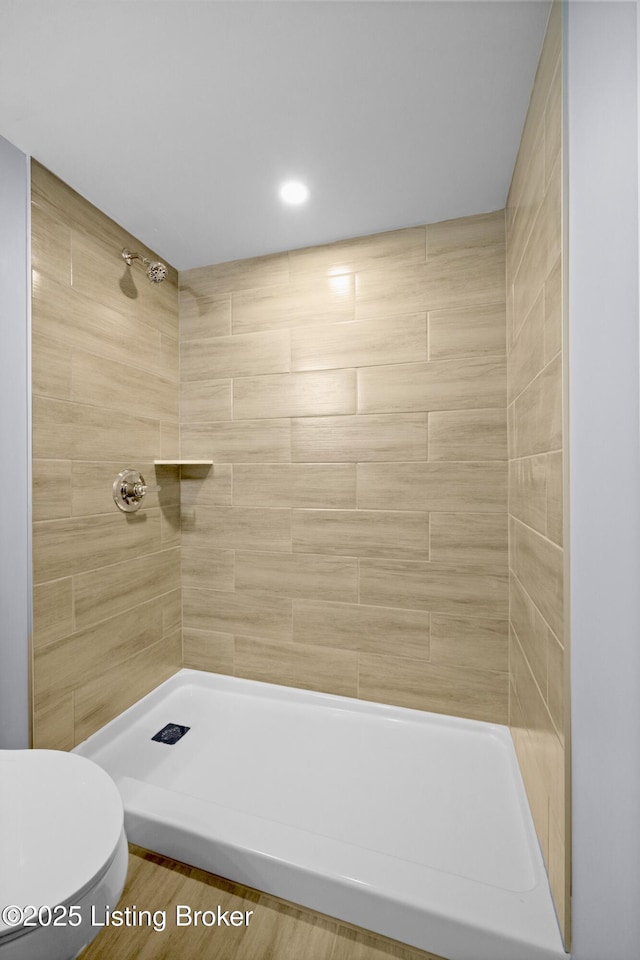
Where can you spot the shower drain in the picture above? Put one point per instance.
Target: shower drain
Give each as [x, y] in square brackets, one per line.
[170, 733]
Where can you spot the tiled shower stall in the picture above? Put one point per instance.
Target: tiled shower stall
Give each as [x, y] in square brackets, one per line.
[383, 515]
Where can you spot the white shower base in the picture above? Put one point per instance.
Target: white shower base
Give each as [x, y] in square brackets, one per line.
[411, 824]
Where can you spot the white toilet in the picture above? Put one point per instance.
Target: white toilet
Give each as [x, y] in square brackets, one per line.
[62, 845]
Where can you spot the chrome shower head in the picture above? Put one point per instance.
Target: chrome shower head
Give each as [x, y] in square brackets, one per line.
[156, 271]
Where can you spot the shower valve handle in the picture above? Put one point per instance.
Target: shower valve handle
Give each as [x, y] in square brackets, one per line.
[129, 490]
[139, 489]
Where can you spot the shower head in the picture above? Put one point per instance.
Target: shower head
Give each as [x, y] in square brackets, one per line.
[156, 271]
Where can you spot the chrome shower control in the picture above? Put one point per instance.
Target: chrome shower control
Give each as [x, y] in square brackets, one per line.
[129, 489]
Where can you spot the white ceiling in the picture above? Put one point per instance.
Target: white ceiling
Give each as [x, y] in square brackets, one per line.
[179, 118]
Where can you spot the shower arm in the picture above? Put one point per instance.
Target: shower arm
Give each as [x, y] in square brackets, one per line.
[129, 257]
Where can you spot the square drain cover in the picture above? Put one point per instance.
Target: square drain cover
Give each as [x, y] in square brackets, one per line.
[170, 733]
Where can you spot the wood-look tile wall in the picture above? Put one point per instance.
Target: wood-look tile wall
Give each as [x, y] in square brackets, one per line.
[538, 658]
[107, 603]
[352, 534]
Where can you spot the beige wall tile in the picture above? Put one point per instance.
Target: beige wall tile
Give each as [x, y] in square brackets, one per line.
[50, 367]
[119, 386]
[240, 528]
[469, 537]
[170, 532]
[252, 441]
[297, 665]
[472, 641]
[169, 364]
[465, 233]
[360, 343]
[526, 359]
[311, 394]
[74, 431]
[554, 496]
[219, 278]
[245, 355]
[478, 694]
[242, 613]
[542, 249]
[435, 385]
[399, 437]
[52, 611]
[530, 630]
[53, 726]
[527, 194]
[553, 122]
[538, 413]
[207, 568]
[528, 491]
[295, 484]
[205, 400]
[532, 775]
[511, 430]
[202, 317]
[298, 303]
[98, 433]
[447, 487]
[60, 201]
[362, 533]
[103, 593]
[468, 434]
[553, 312]
[102, 699]
[555, 692]
[558, 874]
[385, 486]
[534, 271]
[51, 491]
[99, 273]
[538, 565]
[201, 485]
[298, 575]
[169, 440]
[50, 245]
[205, 650]
[65, 547]
[347, 256]
[86, 336]
[473, 276]
[171, 606]
[354, 626]
[65, 315]
[67, 664]
[438, 587]
[52, 425]
[475, 331]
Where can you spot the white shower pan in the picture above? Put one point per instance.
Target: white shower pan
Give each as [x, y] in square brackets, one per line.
[414, 825]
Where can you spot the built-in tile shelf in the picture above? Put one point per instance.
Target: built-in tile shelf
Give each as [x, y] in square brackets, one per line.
[183, 463]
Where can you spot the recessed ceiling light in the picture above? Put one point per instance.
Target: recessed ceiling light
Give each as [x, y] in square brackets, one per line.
[294, 192]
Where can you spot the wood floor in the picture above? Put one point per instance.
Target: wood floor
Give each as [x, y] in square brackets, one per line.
[276, 931]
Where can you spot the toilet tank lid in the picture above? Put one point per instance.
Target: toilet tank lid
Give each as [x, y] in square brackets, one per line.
[61, 818]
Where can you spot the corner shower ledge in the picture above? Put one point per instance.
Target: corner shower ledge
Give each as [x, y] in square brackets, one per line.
[447, 861]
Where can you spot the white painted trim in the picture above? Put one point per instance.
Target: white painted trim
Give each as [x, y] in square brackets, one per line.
[604, 482]
[15, 430]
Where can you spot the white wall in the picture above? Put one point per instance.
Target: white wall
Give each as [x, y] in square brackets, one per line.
[15, 448]
[604, 456]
